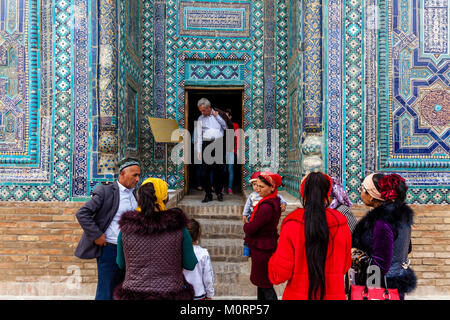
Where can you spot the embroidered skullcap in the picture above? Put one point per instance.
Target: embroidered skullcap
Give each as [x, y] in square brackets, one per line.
[128, 162]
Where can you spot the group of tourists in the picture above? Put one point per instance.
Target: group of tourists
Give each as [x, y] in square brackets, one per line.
[147, 251]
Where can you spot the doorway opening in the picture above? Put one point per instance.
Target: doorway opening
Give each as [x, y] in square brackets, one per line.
[222, 98]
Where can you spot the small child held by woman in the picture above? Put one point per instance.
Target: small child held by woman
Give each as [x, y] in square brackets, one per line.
[202, 277]
[251, 202]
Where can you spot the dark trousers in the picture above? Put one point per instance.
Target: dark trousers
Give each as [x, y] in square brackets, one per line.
[218, 170]
[198, 175]
[109, 274]
[267, 294]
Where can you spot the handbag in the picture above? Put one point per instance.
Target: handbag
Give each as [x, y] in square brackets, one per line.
[363, 292]
[370, 293]
[358, 271]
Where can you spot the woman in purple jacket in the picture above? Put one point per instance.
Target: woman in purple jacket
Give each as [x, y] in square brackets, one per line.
[261, 233]
[384, 233]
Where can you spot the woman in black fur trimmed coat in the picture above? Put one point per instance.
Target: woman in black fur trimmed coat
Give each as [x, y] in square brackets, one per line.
[384, 234]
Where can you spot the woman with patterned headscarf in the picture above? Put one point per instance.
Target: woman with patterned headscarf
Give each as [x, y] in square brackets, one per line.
[154, 246]
[341, 202]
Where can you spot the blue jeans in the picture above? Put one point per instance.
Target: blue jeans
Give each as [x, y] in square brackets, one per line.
[109, 274]
[230, 167]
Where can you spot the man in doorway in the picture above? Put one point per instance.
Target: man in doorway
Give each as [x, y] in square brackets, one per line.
[211, 126]
[99, 218]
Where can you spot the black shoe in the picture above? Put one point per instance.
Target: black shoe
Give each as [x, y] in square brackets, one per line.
[208, 198]
[220, 197]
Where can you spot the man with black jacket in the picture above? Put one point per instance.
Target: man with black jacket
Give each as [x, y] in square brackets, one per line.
[99, 219]
[211, 127]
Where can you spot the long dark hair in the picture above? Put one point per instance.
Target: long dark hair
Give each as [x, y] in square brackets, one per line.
[316, 231]
[146, 199]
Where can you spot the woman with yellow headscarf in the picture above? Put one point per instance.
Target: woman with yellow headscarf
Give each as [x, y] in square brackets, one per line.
[154, 231]
[161, 188]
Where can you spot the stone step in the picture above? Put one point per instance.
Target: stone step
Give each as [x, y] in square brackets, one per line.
[230, 209]
[244, 290]
[228, 212]
[221, 228]
[231, 272]
[229, 250]
[232, 279]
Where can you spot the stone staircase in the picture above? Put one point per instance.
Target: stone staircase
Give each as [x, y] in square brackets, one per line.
[222, 235]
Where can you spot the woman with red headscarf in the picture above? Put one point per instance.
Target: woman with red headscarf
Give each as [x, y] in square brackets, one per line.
[314, 250]
[262, 234]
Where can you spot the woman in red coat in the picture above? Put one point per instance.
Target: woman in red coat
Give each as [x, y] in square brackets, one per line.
[262, 234]
[314, 249]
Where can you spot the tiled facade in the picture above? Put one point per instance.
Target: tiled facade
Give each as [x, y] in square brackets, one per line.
[353, 86]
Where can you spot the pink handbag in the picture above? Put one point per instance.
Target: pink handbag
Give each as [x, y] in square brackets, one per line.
[365, 293]
[373, 293]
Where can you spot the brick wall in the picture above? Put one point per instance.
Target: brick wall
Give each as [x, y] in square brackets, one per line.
[37, 241]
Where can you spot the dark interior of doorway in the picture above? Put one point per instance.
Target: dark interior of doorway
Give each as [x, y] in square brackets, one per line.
[222, 99]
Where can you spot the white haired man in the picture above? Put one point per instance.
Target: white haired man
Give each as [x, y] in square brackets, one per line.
[211, 126]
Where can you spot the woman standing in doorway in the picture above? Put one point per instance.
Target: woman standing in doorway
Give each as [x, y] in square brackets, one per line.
[231, 156]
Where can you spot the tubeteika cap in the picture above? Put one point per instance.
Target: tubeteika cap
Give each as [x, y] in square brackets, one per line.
[128, 162]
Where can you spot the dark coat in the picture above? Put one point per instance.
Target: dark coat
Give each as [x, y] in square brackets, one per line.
[94, 217]
[153, 253]
[261, 237]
